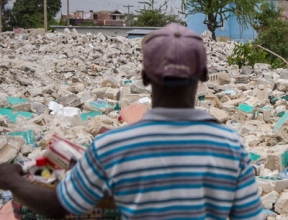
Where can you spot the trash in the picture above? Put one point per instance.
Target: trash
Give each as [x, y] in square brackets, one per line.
[145, 100]
[61, 151]
[60, 110]
[6, 196]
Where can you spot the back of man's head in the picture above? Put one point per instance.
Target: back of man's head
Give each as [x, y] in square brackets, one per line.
[174, 56]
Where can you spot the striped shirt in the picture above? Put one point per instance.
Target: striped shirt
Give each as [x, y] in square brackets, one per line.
[173, 164]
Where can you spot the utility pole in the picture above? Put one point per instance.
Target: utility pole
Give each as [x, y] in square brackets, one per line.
[0, 16]
[128, 6]
[45, 16]
[68, 12]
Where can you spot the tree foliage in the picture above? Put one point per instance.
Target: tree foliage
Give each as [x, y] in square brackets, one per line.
[29, 13]
[217, 11]
[264, 18]
[151, 16]
[271, 29]
[4, 3]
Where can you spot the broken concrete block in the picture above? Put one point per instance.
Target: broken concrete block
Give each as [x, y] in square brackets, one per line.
[277, 158]
[100, 122]
[113, 94]
[261, 67]
[25, 107]
[100, 92]
[71, 100]
[205, 104]
[269, 200]
[261, 93]
[221, 115]
[266, 112]
[280, 185]
[8, 153]
[266, 184]
[242, 79]
[124, 91]
[129, 99]
[110, 81]
[26, 149]
[214, 100]
[224, 78]
[246, 70]
[282, 85]
[281, 205]
[137, 87]
[38, 108]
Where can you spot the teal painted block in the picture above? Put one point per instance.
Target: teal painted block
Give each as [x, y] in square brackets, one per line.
[274, 100]
[265, 109]
[15, 101]
[229, 91]
[246, 108]
[254, 156]
[27, 135]
[127, 82]
[99, 104]
[117, 107]
[201, 98]
[92, 114]
[280, 114]
[284, 157]
[281, 121]
[285, 97]
[13, 115]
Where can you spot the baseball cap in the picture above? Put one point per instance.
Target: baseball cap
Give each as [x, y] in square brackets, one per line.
[174, 56]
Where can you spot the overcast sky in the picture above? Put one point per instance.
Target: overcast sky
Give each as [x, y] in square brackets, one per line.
[98, 5]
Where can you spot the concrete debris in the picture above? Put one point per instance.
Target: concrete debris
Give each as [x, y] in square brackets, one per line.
[80, 86]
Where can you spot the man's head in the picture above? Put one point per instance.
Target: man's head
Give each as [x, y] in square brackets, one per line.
[174, 59]
[174, 54]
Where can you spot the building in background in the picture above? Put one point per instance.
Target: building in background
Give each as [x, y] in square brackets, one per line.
[101, 18]
[231, 29]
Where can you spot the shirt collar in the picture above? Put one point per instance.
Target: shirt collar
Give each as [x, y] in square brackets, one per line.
[177, 114]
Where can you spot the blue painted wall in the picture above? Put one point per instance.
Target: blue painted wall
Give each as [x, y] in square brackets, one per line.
[230, 29]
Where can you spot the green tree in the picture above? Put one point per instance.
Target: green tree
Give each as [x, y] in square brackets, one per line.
[150, 16]
[271, 29]
[217, 11]
[4, 2]
[29, 13]
[264, 18]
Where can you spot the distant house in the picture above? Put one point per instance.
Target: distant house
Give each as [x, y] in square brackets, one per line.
[110, 18]
[101, 18]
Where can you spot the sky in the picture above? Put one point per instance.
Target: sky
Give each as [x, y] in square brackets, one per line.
[99, 5]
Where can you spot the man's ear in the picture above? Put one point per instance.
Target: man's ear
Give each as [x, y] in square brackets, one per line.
[204, 77]
[145, 79]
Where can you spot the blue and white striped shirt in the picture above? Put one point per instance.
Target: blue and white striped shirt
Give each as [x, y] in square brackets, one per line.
[173, 164]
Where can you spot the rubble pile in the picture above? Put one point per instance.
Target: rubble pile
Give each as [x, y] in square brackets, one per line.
[79, 85]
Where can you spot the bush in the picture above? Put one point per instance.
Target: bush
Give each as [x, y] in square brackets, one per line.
[247, 54]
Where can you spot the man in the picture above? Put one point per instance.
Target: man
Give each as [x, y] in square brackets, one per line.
[176, 163]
